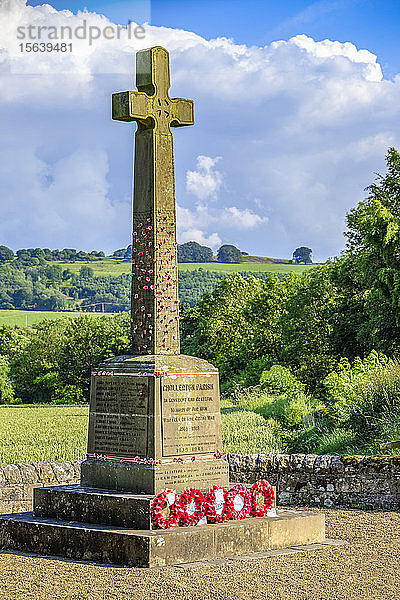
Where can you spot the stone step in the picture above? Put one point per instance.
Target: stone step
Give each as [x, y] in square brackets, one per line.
[89, 505]
[114, 545]
[92, 505]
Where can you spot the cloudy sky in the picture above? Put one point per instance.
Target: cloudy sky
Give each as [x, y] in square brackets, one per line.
[295, 106]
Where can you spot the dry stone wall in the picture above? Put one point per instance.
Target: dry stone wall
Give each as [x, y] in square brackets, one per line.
[18, 481]
[364, 482]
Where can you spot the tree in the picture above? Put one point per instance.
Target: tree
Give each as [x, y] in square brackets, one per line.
[229, 254]
[374, 247]
[238, 322]
[194, 252]
[6, 389]
[5, 254]
[302, 255]
[128, 253]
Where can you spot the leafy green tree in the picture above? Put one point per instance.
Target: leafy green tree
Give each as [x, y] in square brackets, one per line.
[13, 340]
[6, 388]
[374, 247]
[302, 255]
[63, 353]
[194, 252]
[229, 254]
[307, 326]
[237, 323]
[86, 272]
[6, 254]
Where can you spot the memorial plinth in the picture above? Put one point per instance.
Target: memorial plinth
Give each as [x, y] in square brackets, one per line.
[154, 423]
[154, 420]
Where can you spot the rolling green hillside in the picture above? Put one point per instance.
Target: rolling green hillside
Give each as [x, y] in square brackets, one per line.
[110, 266]
[30, 317]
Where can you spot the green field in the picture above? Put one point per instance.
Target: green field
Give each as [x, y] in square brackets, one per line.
[109, 266]
[35, 433]
[245, 267]
[32, 433]
[25, 318]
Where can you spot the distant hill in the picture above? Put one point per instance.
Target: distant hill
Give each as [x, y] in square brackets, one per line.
[264, 259]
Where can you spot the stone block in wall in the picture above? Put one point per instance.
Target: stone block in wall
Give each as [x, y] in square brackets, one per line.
[267, 464]
[64, 471]
[76, 464]
[11, 493]
[46, 473]
[322, 463]
[283, 464]
[309, 462]
[348, 483]
[394, 484]
[321, 482]
[28, 488]
[336, 464]
[29, 473]
[12, 473]
[297, 462]
[374, 484]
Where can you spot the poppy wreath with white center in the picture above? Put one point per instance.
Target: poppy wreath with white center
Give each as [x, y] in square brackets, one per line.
[265, 489]
[242, 491]
[157, 506]
[211, 513]
[185, 499]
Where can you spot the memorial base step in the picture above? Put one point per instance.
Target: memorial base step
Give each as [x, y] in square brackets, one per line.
[146, 548]
[88, 505]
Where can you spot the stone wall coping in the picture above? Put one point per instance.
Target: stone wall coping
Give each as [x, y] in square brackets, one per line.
[315, 463]
[60, 471]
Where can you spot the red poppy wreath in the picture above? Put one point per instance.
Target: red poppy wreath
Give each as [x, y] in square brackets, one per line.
[218, 504]
[265, 489]
[241, 500]
[191, 507]
[166, 500]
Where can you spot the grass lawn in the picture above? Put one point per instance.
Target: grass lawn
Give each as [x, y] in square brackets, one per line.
[109, 266]
[30, 317]
[32, 433]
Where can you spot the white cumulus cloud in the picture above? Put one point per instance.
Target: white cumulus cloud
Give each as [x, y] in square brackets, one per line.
[196, 235]
[206, 181]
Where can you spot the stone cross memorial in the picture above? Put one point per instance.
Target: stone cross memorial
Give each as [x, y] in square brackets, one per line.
[154, 416]
[154, 422]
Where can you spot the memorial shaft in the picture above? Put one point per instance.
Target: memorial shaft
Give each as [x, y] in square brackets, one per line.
[155, 304]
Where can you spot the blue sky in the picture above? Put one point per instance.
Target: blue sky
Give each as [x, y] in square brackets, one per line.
[372, 24]
[294, 113]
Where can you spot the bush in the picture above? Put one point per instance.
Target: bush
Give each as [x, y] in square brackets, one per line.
[338, 441]
[361, 393]
[6, 388]
[280, 380]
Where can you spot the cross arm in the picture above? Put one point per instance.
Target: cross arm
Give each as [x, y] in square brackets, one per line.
[130, 106]
[182, 112]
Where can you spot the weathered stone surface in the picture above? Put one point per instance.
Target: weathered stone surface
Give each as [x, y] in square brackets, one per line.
[104, 507]
[12, 473]
[64, 471]
[46, 472]
[155, 306]
[150, 479]
[112, 545]
[180, 413]
[348, 481]
[293, 528]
